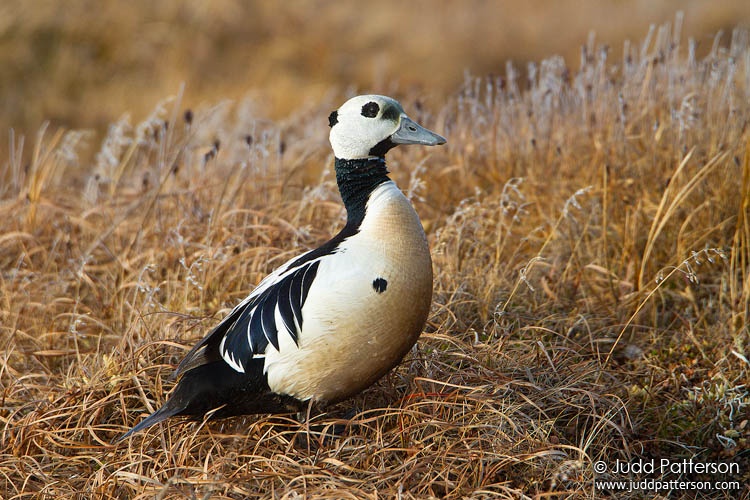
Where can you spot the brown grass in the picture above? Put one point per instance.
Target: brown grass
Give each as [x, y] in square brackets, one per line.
[83, 68]
[591, 247]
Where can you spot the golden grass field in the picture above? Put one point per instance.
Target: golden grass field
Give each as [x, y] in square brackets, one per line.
[589, 221]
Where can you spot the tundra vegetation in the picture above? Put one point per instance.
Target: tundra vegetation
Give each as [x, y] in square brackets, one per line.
[590, 232]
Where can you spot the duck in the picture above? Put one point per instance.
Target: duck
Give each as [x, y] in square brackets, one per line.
[329, 323]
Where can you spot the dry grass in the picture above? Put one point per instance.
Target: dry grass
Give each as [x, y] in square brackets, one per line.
[83, 68]
[591, 246]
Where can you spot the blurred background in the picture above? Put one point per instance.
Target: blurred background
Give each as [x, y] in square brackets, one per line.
[84, 63]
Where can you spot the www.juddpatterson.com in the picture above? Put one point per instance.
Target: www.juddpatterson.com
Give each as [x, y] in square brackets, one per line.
[672, 485]
[664, 468]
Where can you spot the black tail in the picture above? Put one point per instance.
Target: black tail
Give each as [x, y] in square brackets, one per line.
[216, 385]
[163, 413]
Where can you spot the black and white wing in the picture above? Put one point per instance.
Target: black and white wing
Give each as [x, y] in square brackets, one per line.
[274, 308]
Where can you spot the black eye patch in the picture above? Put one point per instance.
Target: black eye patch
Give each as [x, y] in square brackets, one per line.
[333, 118]
[370, 110]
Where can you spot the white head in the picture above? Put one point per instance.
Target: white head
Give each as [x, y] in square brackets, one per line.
[370, 125]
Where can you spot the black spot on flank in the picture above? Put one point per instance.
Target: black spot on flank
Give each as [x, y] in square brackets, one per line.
[379, 285]
[333, 118]
[370, 110]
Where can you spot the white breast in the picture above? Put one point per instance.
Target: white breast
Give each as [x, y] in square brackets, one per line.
[352, 334]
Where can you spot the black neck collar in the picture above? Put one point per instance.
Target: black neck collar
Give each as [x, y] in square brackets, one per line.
[357, 179]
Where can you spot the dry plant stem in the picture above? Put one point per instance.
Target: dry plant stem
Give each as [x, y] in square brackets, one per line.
[660, 220]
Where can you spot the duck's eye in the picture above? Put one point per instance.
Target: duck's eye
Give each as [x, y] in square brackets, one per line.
[370, 110]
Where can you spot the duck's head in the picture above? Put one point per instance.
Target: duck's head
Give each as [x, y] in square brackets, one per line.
[370, 125]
